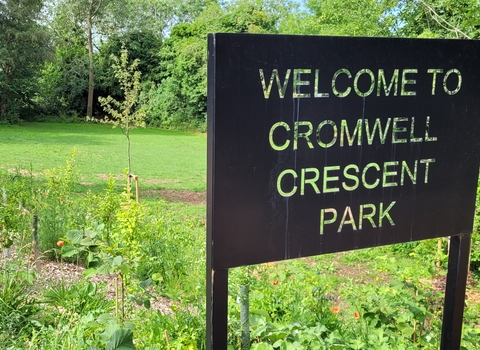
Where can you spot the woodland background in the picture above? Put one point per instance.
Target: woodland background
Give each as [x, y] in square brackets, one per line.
[56, 56]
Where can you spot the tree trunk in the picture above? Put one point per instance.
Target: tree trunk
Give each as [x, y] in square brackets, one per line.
[127, 134]
[3, 100]
[3, 108]
[128, 154]
[90, 57]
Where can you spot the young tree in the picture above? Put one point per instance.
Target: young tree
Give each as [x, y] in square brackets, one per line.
[23, 47]
[123, 113]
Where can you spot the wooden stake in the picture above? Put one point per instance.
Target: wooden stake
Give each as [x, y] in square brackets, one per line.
[116, 296]
[7, 250]
[439, 251]
[135, 177]
[167, 338]
[245, 317]
[123, 296]
[136, 188]
[36, 250]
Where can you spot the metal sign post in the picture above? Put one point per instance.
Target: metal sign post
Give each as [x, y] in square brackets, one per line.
[217, 309]
[455, 291]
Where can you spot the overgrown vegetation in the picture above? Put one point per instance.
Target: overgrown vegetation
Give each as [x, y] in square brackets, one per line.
[382, 298]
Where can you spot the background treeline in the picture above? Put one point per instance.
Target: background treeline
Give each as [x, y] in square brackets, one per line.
[56, 55]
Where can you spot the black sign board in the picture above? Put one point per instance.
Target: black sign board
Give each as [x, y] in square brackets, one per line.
[321, 144]
[327, 144]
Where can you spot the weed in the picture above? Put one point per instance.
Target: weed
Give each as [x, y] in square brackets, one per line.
[78, 298]
[19, 312]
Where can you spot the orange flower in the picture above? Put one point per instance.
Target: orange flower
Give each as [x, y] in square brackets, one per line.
[356, 315]
[275, 283]
[60, 243]
[335, 309]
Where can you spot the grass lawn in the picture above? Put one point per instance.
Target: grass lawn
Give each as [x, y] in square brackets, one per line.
[162, 159]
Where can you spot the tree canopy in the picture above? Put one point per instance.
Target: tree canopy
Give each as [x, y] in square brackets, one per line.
[23, 48]
[168, 38]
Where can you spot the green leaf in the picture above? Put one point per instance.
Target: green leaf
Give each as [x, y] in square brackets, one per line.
[75, 236]
[145, 283]
[87, 242]
[262, 346]
[105, 318]
[124, 268]
[91, 288]
[89, 272]
[107, 334]
[90, 258]
[406, 330]
[117, 261]
[104, 269]
[129, 325]
[442, 272]
[157, 277]
[122, 339]
[90, 233]
[68, 251]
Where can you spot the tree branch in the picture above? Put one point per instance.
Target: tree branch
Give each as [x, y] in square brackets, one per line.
[443, 22]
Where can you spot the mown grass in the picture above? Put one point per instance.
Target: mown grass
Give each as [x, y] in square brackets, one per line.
[162, 159]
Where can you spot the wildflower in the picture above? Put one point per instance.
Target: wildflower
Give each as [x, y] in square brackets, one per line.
[356, 315]
[275, 283]
[60, 243]
[335, 309]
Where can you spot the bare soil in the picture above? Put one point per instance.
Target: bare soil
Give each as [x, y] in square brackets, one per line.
[182, 196]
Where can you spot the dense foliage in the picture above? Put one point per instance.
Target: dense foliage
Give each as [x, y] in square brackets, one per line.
[56, 55]
[23, 48]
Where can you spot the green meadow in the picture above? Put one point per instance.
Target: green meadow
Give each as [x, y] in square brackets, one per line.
[162, 159]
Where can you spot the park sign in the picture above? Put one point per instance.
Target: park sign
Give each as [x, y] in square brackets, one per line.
[327, 144]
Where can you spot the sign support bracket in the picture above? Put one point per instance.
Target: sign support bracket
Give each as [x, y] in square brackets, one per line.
[455, 291]
[217, 309]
